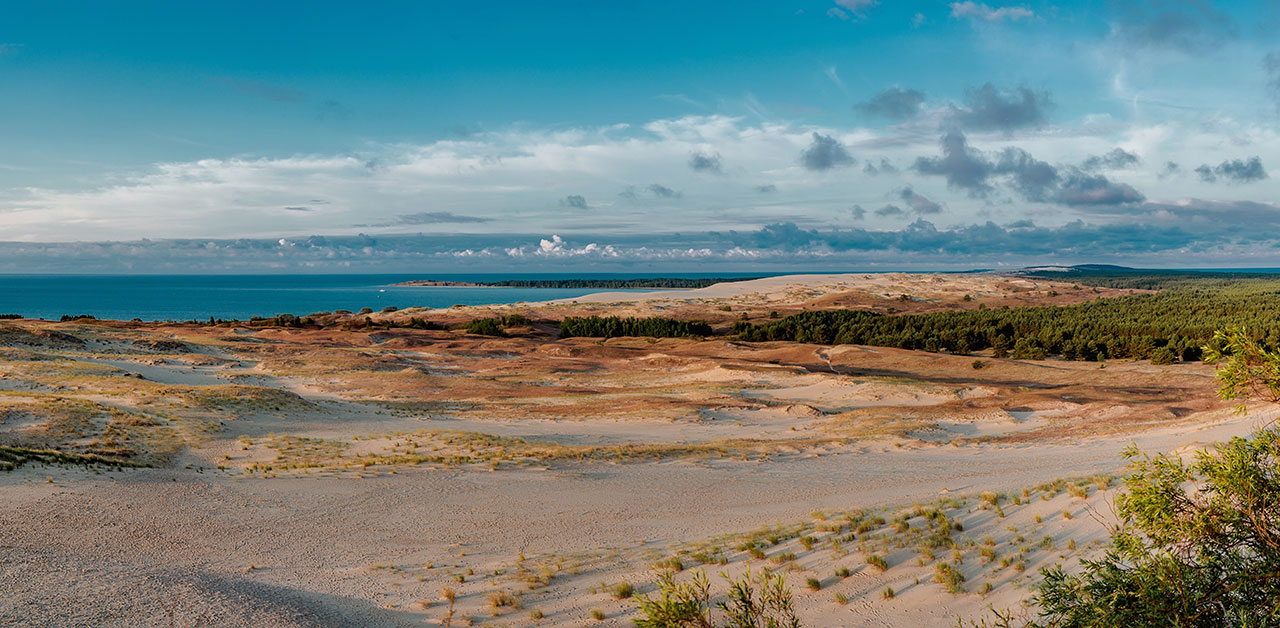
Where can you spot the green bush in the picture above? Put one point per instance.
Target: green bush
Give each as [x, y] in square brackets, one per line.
[949, 576]
[622, 590]
[1207, 558]
[516, 320]
[418, 323]
[1198, 543]
[1026, 348]
[1162, 356]
[486, 327]
[761, 600]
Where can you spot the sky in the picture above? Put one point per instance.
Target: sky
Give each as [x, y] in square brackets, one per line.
[145, 137]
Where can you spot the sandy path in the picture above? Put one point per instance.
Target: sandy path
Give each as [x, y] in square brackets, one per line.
[146, 532]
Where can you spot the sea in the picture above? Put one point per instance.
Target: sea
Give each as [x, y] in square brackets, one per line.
[198, 297]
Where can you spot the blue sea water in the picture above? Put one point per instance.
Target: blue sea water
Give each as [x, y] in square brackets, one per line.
[185, 297]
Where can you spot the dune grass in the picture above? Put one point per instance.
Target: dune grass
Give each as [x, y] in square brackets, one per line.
[13, 457]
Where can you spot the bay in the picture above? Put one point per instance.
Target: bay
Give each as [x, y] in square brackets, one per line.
[186, 297]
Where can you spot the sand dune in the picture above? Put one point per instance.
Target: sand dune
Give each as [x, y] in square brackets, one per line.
[336, 478]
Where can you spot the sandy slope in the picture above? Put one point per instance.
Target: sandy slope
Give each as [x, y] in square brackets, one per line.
[338, 478]
[766, 288]
[97, 550]
[800, 289]
[759, 298]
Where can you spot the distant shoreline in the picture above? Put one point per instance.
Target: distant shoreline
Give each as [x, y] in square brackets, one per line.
[431, 283]
[665, 283]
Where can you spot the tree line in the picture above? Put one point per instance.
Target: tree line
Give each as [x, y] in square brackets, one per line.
[1120, 277]
[1167, 326]
[614, 327]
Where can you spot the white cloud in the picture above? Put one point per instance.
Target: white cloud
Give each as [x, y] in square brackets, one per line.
[514, 181]
[975, 10]
[832, 74]
[852, 9]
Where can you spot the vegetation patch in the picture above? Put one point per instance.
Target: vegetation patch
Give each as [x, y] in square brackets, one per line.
[615, 327]
[237, 399]
[47, 338]
[761, 599]
[1177, 322]
[13, 457]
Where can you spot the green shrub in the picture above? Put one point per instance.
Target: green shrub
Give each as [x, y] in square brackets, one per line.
[1208, 555]
[988, 554]
[1163, 356]
[499, 599]
[673, 563]
[753, 600]
[486, 327]
[516, 320]
[950, 576]
[1027, 348]
[622, 590]
[783, 557]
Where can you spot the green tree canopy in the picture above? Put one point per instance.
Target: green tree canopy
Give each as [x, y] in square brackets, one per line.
[1198, 543]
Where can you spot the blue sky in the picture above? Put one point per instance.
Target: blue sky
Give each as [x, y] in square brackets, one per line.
[753, 135]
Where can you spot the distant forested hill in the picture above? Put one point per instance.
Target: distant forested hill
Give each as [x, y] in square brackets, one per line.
[1144, 278]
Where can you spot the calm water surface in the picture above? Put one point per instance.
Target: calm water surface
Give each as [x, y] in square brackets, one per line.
[184, 297]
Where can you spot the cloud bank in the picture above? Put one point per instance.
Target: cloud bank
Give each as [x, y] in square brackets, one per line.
[661, 193]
